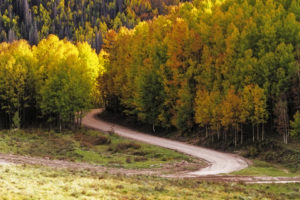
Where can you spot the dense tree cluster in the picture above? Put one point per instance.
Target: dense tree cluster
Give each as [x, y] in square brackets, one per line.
[77, 20]
[53, 81]
[231, 69]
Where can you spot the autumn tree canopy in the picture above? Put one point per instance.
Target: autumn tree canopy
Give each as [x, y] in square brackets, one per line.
[227, 67]
[53, 81]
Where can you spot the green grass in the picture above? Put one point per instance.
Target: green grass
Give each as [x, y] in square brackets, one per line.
[273, 158]
[33, 182]
[88, 146]
[294, 144]
[261, 168]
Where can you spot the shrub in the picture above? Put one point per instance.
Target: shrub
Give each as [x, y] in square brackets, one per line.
[101, 139]
[270, 156]
[16, 120]
[125, 146]
[159, 188]
[110, 148]
[140, 159]
[128, 160]
[111, 131]
[86, 144]
[140, 153]
[252, 152]
[119, 186]
[164, 159]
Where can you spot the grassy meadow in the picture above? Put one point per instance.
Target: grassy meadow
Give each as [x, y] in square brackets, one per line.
[33, 182]
[89, 146]
[24, 181]
[262, 168]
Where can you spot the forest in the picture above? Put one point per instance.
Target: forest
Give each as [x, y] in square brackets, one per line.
[27, 69]
[228, 70]
[231, 69]
[76, 20]
[53, 82]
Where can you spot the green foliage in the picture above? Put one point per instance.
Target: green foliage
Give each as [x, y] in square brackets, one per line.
[149, 98]
[222, 65]
[214, 65]
[90, 147]
[17, 65]
[67, 91]
[16, 120]
[295, 125]
[55, 80]
[284, 157]
[261, 168]
[77, 20]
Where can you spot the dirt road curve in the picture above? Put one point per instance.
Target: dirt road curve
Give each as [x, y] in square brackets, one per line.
[217, 162]
[176, 170]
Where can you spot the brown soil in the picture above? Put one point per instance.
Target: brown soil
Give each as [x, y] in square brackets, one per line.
[174, 170]
[178, 168]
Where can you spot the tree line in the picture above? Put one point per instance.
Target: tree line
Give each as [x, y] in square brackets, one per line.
[230, 69]
[77, 20]
[52, 83]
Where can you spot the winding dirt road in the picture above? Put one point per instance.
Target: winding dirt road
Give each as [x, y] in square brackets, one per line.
[218, 162]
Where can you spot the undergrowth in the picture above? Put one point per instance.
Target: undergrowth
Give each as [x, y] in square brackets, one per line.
[87, 146]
